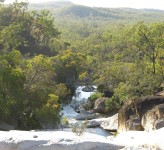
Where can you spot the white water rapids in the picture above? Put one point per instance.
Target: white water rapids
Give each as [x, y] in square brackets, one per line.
[69, 113]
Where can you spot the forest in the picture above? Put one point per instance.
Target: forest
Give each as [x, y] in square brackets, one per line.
[46, 53]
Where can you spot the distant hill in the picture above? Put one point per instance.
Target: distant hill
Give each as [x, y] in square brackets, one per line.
[115, 14]
[78, 11]
[65, 9]
[50, 5]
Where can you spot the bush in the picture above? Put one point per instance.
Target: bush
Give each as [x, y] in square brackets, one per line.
[65, 121]
[80, 128]
[48, 115]
[112, 104]
[28, 120]
[95, 96]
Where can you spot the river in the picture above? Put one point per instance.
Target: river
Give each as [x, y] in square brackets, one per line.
[69, 113]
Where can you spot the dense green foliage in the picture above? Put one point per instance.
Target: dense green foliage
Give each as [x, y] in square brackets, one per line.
[42, 59]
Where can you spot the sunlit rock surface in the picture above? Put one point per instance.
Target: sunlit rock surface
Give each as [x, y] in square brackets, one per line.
[53, 140]
[66, 140]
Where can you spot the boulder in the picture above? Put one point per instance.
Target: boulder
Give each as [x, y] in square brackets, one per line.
[159, 124]
[87, 116]
[93, 124]
[110, 123]
[160, 93]
[154, 118]
[6, 127]
[85, 106]
[88, 89]
[136, 108]
[99, 106]
[159, 109]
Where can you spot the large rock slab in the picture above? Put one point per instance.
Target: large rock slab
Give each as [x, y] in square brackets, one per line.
[66, 140]
[110, 123]
[137, 108]
[53, 140]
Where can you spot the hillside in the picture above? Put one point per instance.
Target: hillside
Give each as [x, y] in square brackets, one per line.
[66, 9]
[110, 14]
[50, 5]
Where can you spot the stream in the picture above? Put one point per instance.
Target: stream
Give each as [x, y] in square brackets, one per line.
[69, 113]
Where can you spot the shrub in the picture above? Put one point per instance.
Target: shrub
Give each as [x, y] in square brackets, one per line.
[48, 115]
[80, 128]
[112, 104]
[65, 121]
[95, 96]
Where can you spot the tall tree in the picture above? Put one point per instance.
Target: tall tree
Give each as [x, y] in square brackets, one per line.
[149, 40]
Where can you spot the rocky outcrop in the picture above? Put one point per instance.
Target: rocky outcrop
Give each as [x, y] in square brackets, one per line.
[134, 123]
[66, 140]
[131, 113]
[134, 140]
[53, 140]
[110, 123]
[153, 119]
[99, 105]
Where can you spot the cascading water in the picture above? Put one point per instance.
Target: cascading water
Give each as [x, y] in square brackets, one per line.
[82, 96]
[79, 98]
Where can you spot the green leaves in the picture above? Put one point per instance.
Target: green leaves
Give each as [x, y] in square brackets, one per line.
[28, 32]
[25, 87]
[69, 65]
[148, 39]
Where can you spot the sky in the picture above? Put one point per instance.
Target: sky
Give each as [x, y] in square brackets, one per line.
[152, 4]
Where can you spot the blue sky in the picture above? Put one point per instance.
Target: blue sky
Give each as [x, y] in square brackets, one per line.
[155, 4]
